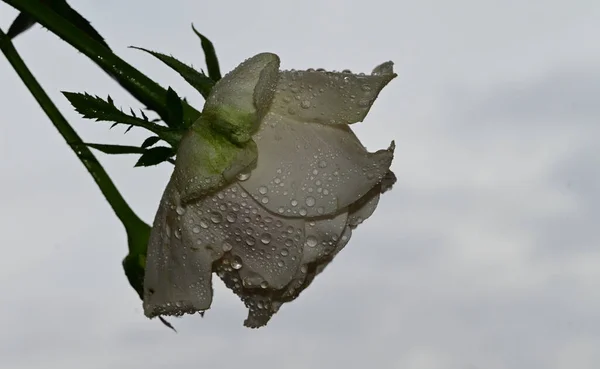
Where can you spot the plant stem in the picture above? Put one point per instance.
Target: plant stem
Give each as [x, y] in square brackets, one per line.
[125, 214]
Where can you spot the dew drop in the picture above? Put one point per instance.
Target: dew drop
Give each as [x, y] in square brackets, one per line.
[302, 211]
[305, 104]
[250, 241]
[311, 241]
[310, 201]
[196, 229]
[243, 176]
[264, 200]
[227, 246]
[236, 263]
[231, 217]
[180, 210]
[265, 238]
[284, 252]
[322, 164]
[216, 218]
[263, 190]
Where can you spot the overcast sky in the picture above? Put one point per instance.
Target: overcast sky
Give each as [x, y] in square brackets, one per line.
[486, 254]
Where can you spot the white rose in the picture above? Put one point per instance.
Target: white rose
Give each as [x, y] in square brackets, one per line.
[267, 187]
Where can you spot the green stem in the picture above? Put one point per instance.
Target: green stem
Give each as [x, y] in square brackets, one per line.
[139, 85]
[125, 214]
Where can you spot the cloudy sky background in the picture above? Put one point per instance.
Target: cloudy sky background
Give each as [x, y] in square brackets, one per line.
[484, 256]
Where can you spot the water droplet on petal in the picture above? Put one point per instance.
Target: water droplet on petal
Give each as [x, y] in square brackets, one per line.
[263, 190]
[311, 241]
[196, 229]
[227, 246]
[180, 210]
[243, 176]
[265, 238]
[236, 263]
[310, 201]
[305, 104]
[216, 218]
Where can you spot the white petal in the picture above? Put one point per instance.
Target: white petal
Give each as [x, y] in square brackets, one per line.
[340, 245]
[364, 208]
[264, 247]
[322, 236]
[329, 97]
[309, 170]
[178, 274]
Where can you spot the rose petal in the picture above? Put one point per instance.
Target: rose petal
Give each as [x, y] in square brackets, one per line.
[178, 275]
[308, 170]
[322, 236]
[329, 97]
[266, 248]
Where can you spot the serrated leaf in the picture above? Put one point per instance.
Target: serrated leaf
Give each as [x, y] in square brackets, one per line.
[198, 80]
[212, 62]
[94, 107]
[154, 156]
[116, 149]
[150, 141]
[174, 109]
[24, 21]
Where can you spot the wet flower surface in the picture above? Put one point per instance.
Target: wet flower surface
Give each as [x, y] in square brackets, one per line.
[268, 186]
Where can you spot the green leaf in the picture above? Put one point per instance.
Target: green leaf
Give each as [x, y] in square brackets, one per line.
[200, 81]
[116, 149]
[154, 156]
[174, 109]
[22, 23]
[212, 62]
[25, 21]
[94, 107]
[150, 141]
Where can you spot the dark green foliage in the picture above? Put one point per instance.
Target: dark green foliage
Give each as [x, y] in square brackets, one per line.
[212, 62]
[196, 79]
[155, 155]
